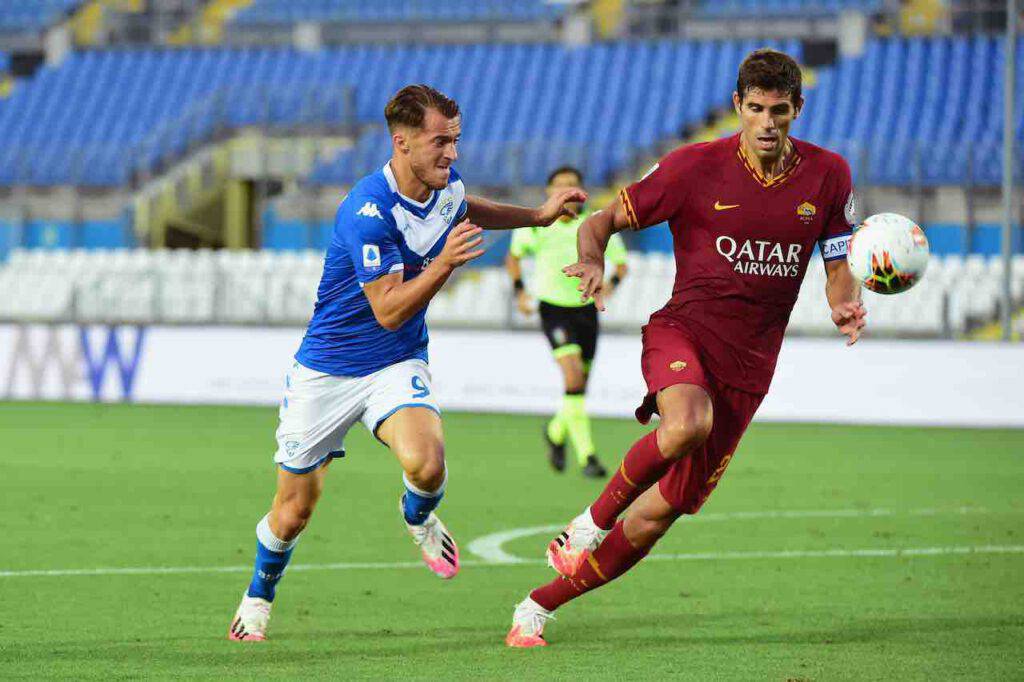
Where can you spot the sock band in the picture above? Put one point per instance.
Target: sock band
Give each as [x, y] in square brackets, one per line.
[272, 557]
[426, 493]
[267, 538]
[417, 504]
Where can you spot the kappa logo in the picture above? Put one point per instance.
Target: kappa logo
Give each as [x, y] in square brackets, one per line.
[677, 366]
[370, 210]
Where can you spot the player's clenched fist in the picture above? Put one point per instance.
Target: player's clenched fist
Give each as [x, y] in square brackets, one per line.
[849, 319]
[461, 245]
[591, 276]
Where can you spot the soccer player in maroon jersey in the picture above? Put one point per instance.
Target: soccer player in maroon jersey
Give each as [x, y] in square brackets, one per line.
[745, 213]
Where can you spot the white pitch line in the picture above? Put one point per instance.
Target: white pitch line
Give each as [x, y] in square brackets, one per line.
[490, 548]
[870, 552]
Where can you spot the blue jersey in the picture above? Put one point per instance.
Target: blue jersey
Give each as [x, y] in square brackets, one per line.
[377, 231]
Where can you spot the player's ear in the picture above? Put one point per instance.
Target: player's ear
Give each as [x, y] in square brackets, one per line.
[400, 141]
[736, 103]
[799, 106]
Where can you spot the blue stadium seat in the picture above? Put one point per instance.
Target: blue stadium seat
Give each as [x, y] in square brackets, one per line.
[97, 117]
[907, 111]
[743, 9]
[33, 15]
[913, 111]
[263, 12]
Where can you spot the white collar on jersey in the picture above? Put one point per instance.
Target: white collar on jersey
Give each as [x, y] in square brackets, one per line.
[389, 175]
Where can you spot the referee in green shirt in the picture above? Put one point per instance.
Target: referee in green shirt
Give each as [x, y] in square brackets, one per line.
[570, 325]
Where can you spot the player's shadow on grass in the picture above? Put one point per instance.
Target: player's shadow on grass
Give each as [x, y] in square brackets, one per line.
[765, 629]
[301, 646]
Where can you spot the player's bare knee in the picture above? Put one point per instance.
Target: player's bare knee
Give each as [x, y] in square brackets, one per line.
[428, 471]
[292, 516]
[680, 433]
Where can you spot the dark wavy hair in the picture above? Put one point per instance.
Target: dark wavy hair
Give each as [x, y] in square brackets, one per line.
[768, 69]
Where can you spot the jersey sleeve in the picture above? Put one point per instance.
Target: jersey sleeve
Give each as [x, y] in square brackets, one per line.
[367, 234]
[524, 242]
[840, 216]
[659, 194]
[616, 251]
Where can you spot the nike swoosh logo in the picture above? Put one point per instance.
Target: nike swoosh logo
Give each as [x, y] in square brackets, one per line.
[720, 207]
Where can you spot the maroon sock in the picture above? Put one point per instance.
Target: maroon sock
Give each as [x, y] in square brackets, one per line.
[613, 557]
[640, 468]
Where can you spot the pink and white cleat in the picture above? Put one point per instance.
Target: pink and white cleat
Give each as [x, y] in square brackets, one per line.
[250, 621]
[567, 552]
[528, 623]
[440, 553]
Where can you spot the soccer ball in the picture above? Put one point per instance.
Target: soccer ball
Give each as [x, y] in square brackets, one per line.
[888, 253]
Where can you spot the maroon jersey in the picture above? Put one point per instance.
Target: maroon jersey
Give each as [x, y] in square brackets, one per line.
[742, 244]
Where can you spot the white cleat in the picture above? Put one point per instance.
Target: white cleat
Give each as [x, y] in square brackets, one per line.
[528, 623]
[250, 621]
[567, 552]
[440, 553]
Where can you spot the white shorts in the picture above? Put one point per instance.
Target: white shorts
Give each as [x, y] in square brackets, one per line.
[318, 409]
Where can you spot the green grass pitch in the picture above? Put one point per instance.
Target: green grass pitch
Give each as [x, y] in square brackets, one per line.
[768, 582]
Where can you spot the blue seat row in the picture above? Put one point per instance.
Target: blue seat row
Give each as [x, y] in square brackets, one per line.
[923, 110]
[528, 109]
[292, 11]
[103, 114]
[918, 110]
[32, 15]
[782, 8]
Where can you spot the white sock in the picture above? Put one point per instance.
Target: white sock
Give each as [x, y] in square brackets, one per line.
[271, 541]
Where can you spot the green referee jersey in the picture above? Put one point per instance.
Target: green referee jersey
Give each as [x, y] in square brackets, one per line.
[554, 247]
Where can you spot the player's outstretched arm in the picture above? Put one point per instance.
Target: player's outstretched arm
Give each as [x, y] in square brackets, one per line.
[843, 293]
[394, 301]
[591, 242]
[492, 215]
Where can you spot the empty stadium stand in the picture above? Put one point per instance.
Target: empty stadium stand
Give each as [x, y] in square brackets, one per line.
[349, 11]
[91, 120]
[272, 287]
[33, 15]
[909, 111]
[784, 8]
[922, 111]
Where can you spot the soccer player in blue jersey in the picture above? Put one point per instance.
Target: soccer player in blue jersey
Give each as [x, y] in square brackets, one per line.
[398, 236]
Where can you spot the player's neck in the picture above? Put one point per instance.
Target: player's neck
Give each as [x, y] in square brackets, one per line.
[769, 167]
[408, 184]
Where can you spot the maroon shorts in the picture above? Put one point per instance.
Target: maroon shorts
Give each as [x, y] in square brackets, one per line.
[671, 356]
